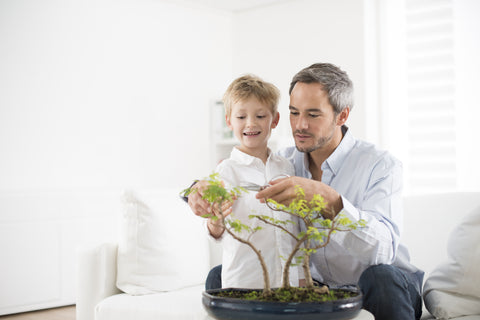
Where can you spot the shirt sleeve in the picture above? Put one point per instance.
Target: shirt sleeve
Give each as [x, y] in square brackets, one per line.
[382, 211]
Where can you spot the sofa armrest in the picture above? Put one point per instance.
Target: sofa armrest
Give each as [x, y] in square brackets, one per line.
[96, 277]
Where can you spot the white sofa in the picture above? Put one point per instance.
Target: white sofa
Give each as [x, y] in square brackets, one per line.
[428, 221]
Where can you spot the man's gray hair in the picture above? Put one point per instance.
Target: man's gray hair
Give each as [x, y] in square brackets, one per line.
[335, 82]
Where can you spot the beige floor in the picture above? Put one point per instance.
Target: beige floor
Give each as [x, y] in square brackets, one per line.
[63, 313]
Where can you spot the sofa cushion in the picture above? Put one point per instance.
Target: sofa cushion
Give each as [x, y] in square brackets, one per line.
[162, 244]
[453, 289]
[182, 304]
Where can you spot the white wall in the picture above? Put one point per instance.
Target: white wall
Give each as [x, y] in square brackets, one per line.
[95, 96]
[277, 41]
[108, 93]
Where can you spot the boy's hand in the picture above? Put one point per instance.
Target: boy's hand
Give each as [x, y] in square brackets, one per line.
[225, 209]
[201, 207]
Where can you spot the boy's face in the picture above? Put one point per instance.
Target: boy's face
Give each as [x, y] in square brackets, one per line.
[251, 122]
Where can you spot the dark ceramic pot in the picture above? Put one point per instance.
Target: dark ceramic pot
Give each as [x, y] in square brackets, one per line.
[237, 309]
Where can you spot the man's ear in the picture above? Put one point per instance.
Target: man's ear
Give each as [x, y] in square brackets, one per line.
[275, 121]
[343, 116]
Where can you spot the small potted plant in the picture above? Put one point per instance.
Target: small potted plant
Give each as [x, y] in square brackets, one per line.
[287, 301]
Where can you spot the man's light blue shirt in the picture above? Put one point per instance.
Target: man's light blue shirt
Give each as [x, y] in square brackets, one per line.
[369, 181]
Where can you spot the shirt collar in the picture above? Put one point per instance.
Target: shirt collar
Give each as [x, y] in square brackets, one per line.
[335, 160]
[246, 159]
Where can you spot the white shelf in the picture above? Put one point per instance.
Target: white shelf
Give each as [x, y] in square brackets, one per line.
[221, 136]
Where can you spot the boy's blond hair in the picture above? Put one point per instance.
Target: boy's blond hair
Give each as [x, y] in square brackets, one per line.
[248, 86]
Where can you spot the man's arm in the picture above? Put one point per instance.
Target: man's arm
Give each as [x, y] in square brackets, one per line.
[380, 206]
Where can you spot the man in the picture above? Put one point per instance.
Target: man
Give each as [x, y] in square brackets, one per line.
[357, 180]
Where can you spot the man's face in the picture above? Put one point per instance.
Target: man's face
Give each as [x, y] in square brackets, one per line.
[312, 118]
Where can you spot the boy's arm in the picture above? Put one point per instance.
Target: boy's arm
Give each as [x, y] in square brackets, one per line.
[215, 228]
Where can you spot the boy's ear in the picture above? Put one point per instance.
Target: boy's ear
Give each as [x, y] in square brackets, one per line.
[275, 121]
[227, 120]
[343, 116]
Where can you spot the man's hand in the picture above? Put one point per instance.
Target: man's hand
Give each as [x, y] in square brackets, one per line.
[283, 191]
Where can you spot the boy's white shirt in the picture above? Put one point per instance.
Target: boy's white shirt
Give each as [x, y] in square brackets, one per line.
[240, 265]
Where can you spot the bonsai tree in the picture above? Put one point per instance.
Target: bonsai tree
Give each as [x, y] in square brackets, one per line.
[216, 194]
[317, 233]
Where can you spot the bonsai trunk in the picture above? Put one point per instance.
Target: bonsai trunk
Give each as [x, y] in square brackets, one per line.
[288, 263]
[267, 291]
[306, 267]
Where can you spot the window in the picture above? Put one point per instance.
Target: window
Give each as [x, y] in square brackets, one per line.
[420, 46]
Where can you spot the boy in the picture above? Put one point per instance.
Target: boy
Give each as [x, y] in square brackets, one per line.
[251, 113]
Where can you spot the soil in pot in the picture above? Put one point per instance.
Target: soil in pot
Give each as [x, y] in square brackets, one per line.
[292, 294]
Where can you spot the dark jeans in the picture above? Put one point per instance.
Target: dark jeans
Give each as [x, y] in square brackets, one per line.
[214, 278]
[389, 293]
